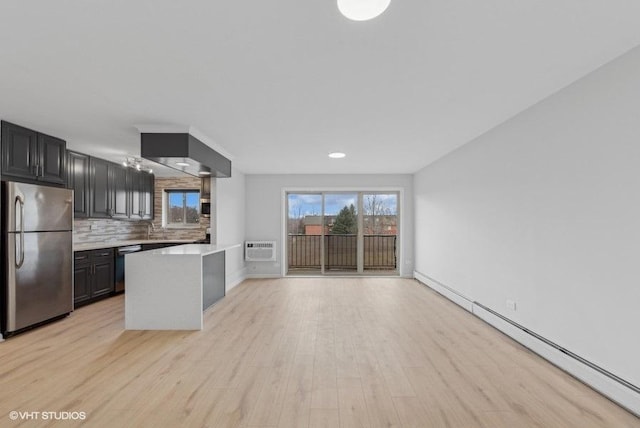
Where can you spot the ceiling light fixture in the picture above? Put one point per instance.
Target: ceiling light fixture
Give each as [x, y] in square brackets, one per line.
[137, 164]
[182, 164]
[336, 155]
[362, 10]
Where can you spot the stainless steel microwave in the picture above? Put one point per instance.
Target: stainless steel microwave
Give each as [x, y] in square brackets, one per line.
[205, 207]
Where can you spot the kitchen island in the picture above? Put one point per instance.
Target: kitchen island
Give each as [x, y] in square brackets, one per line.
[169, 288]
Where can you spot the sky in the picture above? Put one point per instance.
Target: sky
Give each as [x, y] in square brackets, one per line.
[175, 199]
[311, 204]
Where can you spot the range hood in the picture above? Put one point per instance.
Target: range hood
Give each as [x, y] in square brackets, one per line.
[184, 152]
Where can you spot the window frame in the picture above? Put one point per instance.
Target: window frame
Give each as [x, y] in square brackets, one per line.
[167, 208]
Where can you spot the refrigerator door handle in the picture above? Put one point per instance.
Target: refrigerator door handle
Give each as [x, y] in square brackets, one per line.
[20, 200]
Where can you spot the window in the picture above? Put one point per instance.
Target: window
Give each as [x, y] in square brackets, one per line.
[182, 207]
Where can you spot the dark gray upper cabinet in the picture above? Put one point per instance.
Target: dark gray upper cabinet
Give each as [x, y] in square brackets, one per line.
[120, 191]
[110, 190]
[101, 189]
[31, 157]
[147, 195]
[135, 192]
[52, 159]
[105, 189]
[78, 180]
[19, 151]
[142, 198]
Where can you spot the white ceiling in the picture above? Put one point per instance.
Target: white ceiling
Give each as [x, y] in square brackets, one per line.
[279, 84]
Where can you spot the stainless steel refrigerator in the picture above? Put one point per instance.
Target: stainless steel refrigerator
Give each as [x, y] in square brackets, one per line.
[37, 224]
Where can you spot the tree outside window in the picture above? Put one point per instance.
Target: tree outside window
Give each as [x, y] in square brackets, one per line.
[346, 221]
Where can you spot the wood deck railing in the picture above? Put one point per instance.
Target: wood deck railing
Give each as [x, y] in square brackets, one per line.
[341, 252]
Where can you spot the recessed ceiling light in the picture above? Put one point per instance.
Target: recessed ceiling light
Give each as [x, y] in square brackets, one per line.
[182, 164]
[336, 155]
[362, 10]
[204, 173]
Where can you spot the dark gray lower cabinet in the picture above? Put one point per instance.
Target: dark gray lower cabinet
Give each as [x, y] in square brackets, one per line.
[93, 275]
[81, 282]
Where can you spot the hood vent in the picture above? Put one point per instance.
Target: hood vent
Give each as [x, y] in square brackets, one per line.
[184, 152]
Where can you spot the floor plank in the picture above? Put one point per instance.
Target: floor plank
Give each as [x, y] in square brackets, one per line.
[296, 352]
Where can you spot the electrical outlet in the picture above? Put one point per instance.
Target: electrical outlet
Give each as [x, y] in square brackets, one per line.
[511, 304]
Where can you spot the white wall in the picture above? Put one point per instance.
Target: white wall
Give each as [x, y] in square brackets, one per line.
[545, 210]
[265, 209]
[229, 220]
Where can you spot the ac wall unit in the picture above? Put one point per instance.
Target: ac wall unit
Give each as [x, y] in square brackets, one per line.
[260, 251]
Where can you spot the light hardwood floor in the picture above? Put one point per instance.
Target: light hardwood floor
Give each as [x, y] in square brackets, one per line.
[303, 352]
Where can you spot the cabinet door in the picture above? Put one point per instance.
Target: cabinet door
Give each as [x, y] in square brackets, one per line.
[81, 277]
[81, 284]
[120, 185]
[205, 188]
[103, 274]
[99, 205]
[78, 180]
[19, 152]
[147, 196]
[51, 159]
[135, 198]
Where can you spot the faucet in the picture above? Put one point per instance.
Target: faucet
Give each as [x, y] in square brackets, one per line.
[150, 228]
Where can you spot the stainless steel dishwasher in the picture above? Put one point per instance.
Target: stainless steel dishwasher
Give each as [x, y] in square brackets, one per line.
[120, 253]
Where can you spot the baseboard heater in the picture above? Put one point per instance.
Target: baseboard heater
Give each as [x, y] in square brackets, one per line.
[563, 350]
[469, 305]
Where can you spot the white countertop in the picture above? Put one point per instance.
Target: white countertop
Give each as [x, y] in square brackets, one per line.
[188, 249]
[86, 246]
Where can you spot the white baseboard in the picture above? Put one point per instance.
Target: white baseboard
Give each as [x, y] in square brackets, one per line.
[447, 292]
[263, 275]
[235, 278]
[607, 386]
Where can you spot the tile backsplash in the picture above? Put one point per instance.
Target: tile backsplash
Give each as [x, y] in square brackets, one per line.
[105, 230]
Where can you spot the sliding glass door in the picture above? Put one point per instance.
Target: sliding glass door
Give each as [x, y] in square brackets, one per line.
[342, 233]
[380, 232]
[305, 231]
